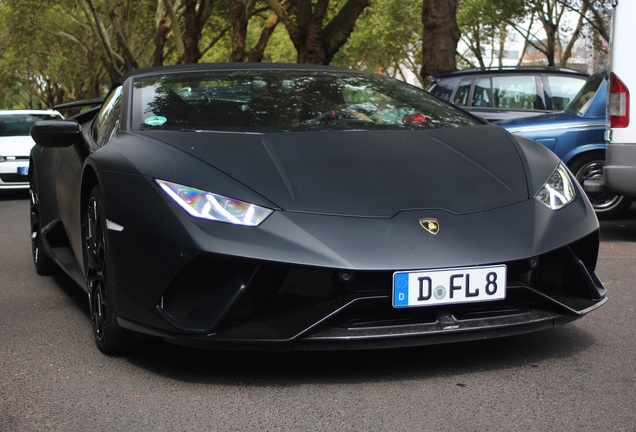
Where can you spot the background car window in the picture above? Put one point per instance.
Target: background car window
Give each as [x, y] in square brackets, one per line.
[563, 90]
[107, 121]
[20, 124]
[463, 92]
[580, 103]
[443, 90]
[482, 93]
[516, 92]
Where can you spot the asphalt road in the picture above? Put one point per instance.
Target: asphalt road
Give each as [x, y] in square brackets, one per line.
[579, 377]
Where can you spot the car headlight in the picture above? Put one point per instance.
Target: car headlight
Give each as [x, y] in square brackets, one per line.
[558, 191]
[206, 205]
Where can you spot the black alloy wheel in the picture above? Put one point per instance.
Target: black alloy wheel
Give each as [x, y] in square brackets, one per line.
[606, 204]
[109, 337]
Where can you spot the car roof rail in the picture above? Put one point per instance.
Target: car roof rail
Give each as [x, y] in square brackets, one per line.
[535, 68]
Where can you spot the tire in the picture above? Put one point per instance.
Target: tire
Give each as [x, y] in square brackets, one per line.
[44, 265]
[607, 205]
[102, 293]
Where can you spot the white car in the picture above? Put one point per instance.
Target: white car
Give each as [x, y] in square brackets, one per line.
[16, 143]
[620, 135]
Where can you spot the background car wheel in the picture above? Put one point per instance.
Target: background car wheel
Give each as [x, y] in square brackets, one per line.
[44, 265]
[110, 337]
[607, 205]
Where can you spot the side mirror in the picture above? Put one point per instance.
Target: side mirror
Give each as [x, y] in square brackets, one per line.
[56, 133]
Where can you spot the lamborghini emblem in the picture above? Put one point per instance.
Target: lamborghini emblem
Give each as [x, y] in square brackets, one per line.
[430, 225]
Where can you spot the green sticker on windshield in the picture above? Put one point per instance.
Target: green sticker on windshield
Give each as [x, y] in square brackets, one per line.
[156, 121]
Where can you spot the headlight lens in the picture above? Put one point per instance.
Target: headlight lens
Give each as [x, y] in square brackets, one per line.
[558, 191]
[206, 205]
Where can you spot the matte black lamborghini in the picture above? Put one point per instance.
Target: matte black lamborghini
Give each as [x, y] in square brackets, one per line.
[298, 207]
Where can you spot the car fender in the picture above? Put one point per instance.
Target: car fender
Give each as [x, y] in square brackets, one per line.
[578, 151]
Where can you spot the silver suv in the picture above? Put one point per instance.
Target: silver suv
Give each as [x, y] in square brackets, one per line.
[506, 93]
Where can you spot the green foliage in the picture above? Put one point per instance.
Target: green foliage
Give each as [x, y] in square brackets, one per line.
[59, 51]
[484, 22]
[388, 34]
[280, 49]
[489, 13]
[51, 55]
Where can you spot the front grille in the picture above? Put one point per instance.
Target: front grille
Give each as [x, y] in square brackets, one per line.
[250, 299]
[14, 178]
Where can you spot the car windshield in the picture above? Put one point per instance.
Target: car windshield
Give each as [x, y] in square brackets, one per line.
[584, 97]
[283, 100]
[20, 124]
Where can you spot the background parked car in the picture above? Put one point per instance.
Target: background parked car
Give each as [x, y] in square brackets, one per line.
[576, 136]
[506, 93]
[16, 143]
[620, 170]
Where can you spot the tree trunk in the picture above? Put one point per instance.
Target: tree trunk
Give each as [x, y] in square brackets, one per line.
[567, 52]
[441, 34]
[257, 52]
[191, 33]
[162, 28]
[240, 12]
[315, 42]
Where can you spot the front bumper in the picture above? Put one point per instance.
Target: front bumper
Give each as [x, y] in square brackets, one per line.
[281, 285]
[271, 306]
[13, 174]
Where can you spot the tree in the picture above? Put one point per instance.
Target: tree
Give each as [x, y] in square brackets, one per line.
[185, 20]
[550, 14]
[117, 53]
[49, 55]
[242, 12]
[483, 28]
[316, 40]
[440, 37]
[387, 39]
[594, 22]
[486, 26]
[594, 13]
[73, 49]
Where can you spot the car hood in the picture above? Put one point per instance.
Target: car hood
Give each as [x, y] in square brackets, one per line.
[16, 145]
[367, 173]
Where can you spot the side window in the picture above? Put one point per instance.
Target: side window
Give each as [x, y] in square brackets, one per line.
[516, 92]
[442, 90]
[563, 90]
[107, 121]
[463, 93]
[482, 93]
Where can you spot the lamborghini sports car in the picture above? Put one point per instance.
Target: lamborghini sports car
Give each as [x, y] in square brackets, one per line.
[295, 207]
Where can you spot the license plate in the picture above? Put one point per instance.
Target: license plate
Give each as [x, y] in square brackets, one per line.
[23, 170]
[449, 286]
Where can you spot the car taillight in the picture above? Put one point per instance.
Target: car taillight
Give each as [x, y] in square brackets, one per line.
[618, 103]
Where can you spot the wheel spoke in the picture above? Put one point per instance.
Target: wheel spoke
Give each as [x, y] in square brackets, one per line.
[600, 200]
[35, 225]
[94, 243]
[97, 308]
[109, 336]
